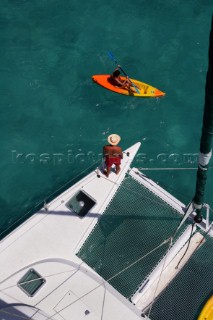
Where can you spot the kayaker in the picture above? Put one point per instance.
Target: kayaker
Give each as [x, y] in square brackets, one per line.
[112, 154]
[118, 81]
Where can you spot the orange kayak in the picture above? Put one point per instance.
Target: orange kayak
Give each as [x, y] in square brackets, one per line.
[145, 89]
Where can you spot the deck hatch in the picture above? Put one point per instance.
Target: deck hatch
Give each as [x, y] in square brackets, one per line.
[81, 203]
[31, 282]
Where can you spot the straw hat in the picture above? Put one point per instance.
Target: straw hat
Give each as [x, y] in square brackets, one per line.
[114, 139]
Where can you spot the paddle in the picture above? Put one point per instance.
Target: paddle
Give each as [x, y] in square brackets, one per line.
[113, 59]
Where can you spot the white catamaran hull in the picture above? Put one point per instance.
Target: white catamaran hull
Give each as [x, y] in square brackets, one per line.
[45, 247]
[42, 277]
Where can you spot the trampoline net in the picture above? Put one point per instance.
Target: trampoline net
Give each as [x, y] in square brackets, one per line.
[124, 247]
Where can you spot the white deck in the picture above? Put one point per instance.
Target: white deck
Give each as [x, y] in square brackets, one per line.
[48, 242]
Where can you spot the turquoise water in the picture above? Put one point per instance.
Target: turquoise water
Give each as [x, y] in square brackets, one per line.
[54, 120]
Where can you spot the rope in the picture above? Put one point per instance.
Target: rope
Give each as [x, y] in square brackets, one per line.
[154, 295]
[189, 240]
[68, 271]
[117, 274]
[147, 254]
[39, 278]
[171, 242]
[114, 276]
[163, 204]
[162, 185]
[140, 168]
[160, 169]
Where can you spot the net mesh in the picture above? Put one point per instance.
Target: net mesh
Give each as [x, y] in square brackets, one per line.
[132, 229]
[185, 297]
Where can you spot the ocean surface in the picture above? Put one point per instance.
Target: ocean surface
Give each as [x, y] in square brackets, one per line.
[54, 120]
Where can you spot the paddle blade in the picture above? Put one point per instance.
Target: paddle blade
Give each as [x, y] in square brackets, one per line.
[111, 56]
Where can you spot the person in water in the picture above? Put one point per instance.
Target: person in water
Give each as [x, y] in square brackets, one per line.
[120, 82]
[112, 154]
